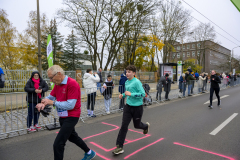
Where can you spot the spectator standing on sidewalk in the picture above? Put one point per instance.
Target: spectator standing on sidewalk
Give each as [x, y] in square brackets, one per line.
[193, 82]
[167, 87]
[35, 88]
[2, 80]
[215, 81]
[200, 83]
[66, 96]
[225, 80]
[90, 83]
[107, 93]
[99, 72]
[161, 83]
[190, 79]
[133, 109]
[121, 88]
[182, 84]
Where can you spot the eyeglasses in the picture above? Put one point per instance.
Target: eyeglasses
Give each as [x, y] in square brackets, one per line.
[53, 76]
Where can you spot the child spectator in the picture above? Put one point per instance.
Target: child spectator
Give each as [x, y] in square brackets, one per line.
[107, 92]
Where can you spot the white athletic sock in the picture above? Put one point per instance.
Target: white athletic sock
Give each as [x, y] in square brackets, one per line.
[88, 111]
[91, 113]
[89, 152]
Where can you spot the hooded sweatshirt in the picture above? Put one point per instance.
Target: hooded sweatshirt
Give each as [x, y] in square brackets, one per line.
[32, 96]
[90, 82]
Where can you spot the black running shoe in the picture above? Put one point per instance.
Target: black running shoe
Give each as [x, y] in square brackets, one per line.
[147, 130]
[118, 150]
[210, 107]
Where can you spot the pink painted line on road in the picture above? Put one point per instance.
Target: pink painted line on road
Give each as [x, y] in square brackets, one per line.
[116, 127]
[217, 154]
[143, 148]
[102, 156]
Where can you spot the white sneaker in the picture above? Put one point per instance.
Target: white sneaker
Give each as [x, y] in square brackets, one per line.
[108, 112]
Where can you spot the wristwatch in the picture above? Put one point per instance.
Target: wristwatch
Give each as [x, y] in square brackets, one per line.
[54, 103]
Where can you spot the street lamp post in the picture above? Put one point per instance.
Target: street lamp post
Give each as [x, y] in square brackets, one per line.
[231, 58]
[39, 41]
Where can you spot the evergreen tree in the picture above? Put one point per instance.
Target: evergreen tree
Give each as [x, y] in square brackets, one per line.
[71, 53]
[57, 40]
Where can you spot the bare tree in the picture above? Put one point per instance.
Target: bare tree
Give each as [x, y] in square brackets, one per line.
[173, 23]
[204, 35]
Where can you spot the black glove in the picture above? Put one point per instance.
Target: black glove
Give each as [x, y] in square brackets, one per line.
[45, 112]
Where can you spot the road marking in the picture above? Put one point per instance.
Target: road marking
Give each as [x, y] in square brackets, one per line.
[215, 131]
[215, 100]
[202, 150]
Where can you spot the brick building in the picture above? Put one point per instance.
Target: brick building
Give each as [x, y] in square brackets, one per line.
[208, 54]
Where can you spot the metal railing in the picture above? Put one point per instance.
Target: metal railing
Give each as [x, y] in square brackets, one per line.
[15, 80]
[14, 108]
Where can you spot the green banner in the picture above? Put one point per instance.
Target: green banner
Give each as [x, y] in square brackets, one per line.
[236, 3]
[50, 54]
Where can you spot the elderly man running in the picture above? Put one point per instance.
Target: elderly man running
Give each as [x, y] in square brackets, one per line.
[66, 96]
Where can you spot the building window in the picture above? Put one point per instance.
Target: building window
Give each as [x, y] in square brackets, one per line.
[198, 45]
[198, 53]
[178, 55]
[210, 62]
[188, 54]
[193, 53]
[183, 47]
[178, 47]
[193, 45]
[183, 55]
[173, 56]
[188, 46]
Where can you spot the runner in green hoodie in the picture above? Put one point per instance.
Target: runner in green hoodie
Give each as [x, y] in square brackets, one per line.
[133, 109]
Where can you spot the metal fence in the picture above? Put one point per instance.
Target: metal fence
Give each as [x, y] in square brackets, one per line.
[14, 108]
[15, 80]
[144, 77]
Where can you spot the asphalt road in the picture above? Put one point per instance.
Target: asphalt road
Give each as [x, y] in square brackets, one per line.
[180, 130]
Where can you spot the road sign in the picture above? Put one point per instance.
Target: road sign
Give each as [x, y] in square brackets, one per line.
[179, 70]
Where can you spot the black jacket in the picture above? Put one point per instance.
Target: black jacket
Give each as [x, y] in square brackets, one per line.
[32, 96]
[215, 82]
[108, 92]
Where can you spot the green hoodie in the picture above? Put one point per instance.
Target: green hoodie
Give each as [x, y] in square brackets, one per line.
[137, 92]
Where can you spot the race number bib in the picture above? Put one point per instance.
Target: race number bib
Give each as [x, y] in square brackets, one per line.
[62, 113]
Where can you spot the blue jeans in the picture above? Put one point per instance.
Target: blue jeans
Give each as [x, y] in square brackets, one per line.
[184, 90]
[189, 89]
[32, 115]
[99, 87]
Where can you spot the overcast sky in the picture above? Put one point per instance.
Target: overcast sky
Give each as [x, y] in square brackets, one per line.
[221, 12]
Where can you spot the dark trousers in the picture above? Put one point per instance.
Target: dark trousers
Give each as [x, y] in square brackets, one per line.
[67, 132]
[122, 103]
[158, 96]
[166, 94]
[32, 115]
[91, 99]
[129, 113]
[217, 94]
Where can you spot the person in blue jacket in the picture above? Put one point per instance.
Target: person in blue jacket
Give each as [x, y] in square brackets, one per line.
[121, 88]
[182, 84]
[1, 78]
